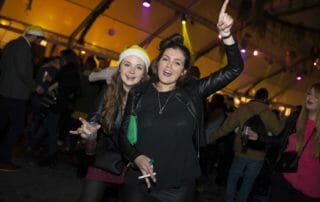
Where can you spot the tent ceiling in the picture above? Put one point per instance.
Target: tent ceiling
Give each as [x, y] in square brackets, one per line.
[290, 41]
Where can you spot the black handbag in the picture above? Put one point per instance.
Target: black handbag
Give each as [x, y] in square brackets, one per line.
[287, 162]
[109, 157]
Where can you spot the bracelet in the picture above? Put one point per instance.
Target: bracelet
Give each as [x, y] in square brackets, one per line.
[225, 37]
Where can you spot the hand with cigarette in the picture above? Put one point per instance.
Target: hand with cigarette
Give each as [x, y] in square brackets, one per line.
[145, 164]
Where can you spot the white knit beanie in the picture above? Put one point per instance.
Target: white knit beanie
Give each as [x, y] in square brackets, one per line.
[136, 51]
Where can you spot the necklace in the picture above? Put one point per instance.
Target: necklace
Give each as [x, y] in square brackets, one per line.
[161, 108]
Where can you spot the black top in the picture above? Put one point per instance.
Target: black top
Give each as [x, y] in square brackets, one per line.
[171, 145]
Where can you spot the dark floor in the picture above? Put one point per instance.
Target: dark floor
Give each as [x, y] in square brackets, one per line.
[61, 184]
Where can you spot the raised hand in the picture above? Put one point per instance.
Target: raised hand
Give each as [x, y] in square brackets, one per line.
[225, 21]
[87, 131]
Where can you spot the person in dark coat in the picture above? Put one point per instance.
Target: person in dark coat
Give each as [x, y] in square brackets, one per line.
[16, 85]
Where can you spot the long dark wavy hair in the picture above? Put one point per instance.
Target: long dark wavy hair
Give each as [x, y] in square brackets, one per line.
[174, 41]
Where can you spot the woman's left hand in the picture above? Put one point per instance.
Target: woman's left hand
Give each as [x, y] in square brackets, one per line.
[145, 165]
[225, 21]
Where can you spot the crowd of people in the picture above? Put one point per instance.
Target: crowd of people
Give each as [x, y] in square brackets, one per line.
[146, 129]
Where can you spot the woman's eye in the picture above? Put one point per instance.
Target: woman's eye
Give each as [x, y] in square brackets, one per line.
[126, 65]
[165, 59]
[140, 67]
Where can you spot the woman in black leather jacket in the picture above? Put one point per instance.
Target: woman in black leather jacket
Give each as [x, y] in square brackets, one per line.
[169, 116]
[104, 177]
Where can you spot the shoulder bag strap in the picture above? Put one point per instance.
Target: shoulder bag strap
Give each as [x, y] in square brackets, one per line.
[305, 145]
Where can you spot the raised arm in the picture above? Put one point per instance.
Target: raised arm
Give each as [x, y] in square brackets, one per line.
[232, 70]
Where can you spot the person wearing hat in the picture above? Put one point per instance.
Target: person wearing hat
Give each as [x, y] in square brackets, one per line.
[101, 180]
[16, 72]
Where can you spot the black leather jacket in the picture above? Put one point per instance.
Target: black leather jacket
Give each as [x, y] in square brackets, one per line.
[105, 141]
[191, 95]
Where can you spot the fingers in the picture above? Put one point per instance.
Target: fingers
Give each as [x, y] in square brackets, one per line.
[143, 162]
[223, 8]
[225, 21]
[147, 180]
[83, 121]
[87, 130]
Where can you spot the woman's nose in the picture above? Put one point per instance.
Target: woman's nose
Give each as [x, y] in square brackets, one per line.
[132, 70]
[169, 63]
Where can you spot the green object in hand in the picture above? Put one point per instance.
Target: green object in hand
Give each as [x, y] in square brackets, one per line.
[132, 130]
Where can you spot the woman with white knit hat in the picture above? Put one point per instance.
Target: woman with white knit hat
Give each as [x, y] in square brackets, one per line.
[104, 177]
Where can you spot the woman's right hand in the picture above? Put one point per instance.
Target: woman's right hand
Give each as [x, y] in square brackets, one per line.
[146, 167]
[87, 131]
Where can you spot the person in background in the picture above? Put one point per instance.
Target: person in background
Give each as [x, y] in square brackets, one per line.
[169, 112]
[16, 85]
[100, 182]
[40, 103]
[67, 86]
[302, 185]
[195, 72]
[105, 74]
[247, 161]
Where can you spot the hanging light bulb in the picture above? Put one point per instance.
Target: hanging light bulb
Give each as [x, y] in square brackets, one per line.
[184, 19]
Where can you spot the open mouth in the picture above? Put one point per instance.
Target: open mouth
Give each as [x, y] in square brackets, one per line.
[130, 77]
[167, 73]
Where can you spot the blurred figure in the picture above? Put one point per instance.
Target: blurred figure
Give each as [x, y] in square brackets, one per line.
[42, 100]
[248, 161]
[67, 86]
[105, 74]
[15, 88]
[194, 72]
[303, 185]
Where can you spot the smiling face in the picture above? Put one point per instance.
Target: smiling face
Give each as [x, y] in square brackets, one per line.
[312, 101]
[170, 67]
[132, 70]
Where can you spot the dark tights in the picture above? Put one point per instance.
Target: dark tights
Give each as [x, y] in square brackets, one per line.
[94, 191]
[181, 194]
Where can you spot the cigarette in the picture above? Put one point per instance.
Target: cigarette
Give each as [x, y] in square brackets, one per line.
[144, 176]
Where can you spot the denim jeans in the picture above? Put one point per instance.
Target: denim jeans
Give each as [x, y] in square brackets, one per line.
[50, 126]
[246, 168]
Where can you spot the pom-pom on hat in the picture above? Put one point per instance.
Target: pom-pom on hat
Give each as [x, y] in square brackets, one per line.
[35, 31]
[136, 51]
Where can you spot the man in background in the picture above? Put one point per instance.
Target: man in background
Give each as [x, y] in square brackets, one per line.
[248, 159]
[16, 83]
